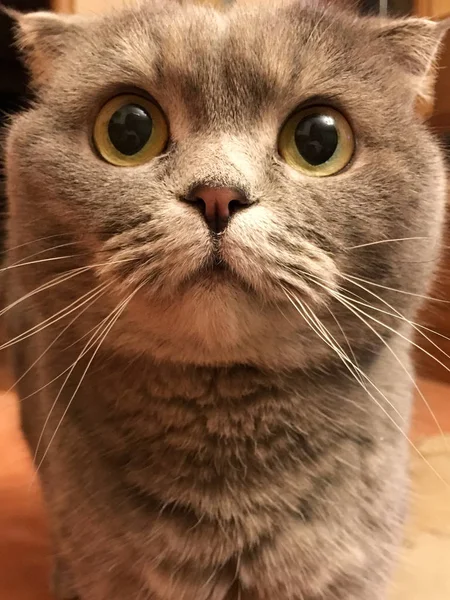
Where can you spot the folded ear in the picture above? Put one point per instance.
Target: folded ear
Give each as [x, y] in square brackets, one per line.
[414, 44]
[42, 38]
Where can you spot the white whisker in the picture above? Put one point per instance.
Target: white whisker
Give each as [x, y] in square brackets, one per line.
[90, 343]
[334, 344]
[391, 289]
[350, 302]
[355, 311]
[115, 316]
[42, 239]
[85, 350]
[346, 360]
[45, 286]
[27, 258]
[398, 315]
[407, 339]
[344, 335]
[417, 326]
[37, 262]
[96, 293]
[50, 320]
[389, 241]
[61, 314]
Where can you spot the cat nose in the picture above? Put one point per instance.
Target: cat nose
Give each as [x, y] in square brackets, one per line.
[218, 204]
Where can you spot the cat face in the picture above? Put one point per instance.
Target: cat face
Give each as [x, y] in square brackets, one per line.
[229, 93]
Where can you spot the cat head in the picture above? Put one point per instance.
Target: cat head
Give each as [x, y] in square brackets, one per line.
[227, 168]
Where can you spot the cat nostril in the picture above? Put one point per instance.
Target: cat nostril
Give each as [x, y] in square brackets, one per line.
[235, 205]
[200, 204]
[218, 204]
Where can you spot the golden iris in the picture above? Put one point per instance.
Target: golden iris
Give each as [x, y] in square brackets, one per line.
[317, 141]
[130, 130]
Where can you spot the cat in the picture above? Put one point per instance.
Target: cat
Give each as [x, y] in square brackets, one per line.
[222, 224]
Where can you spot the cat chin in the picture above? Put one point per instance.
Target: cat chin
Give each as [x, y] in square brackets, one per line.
[214, 325]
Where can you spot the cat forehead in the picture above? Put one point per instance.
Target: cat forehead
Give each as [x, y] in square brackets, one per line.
[252, 52]
[235, 63]
[194, 37]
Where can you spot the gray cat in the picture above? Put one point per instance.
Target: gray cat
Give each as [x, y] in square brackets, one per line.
[221, 226]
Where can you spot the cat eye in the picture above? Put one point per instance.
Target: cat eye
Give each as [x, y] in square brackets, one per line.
[317, 141]
[130, 130]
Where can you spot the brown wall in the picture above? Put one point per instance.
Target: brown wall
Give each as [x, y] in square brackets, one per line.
[437, 314]
[432, 8]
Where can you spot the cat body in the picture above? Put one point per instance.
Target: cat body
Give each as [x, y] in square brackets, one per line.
[212, 416]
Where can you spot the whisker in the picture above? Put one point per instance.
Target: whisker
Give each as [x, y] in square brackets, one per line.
[48, 237]
[61, 314]
[387, 241]
[45, 286]
[410, 377]
[344, 335]
[96, 293]
[83, 353]
[70, 370]
[349, 302]
[42, 239]
[417, 326]
[346, 359]
[51, 249]
[398, 315]
[25, 261]
[57, 280]
[334, 344]
[391, 289]
[410, 341]
[37, 262]
[115, 316]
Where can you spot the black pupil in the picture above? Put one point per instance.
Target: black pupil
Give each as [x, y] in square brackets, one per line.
[130, 129]
[316, 138]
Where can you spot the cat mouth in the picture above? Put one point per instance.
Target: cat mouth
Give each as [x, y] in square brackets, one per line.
[216, 270]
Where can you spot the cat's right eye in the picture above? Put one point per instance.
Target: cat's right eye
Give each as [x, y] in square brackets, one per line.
[130, 130]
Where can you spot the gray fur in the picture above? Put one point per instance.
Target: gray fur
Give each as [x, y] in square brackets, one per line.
[217, 448]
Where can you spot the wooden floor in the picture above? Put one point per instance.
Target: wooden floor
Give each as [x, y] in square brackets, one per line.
[424, 573]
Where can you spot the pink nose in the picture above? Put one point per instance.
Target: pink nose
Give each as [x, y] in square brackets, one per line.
[218, 204]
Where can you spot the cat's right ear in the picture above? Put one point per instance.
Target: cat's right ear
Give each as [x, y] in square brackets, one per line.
[413, 44]
[42, 38]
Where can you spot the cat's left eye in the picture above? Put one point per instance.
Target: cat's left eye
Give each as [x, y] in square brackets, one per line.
[130, 130]
[317, 141]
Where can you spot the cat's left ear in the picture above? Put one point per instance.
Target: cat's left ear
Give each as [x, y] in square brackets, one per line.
[414, 44]
[43, 38]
